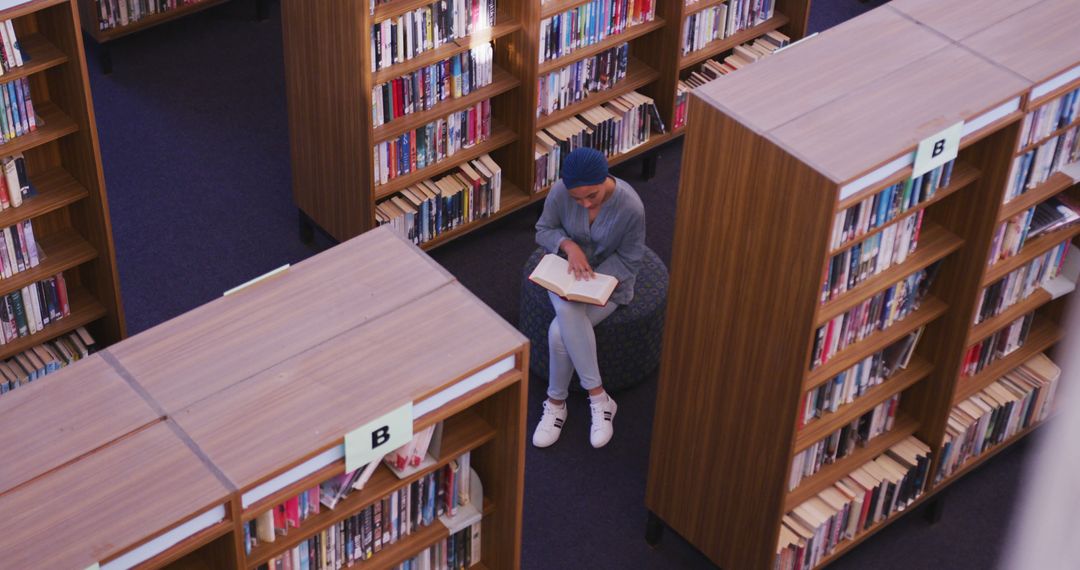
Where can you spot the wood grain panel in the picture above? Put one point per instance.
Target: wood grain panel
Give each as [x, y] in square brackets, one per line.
[324, 44]
[958, 20]
[1037, 43]
[163, 483]
[843, 138]
[318, 395]
[841, 59]
[235, 337]
[718, 386]
[67, 87]
[74, 411]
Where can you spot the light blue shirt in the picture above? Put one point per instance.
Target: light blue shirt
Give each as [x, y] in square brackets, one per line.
[615, 242]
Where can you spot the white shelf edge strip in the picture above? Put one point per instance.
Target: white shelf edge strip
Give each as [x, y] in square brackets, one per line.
[473, 382]
[889, 169]
[167, 540]
[293, 475]
[1059, 81]
[333, 454]
[876, 176]
[997, 113]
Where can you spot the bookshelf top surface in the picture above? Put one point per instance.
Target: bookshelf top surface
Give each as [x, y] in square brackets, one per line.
[872, 125]
[307, 403]
[85, 513]
[958, 20]
[1037, 43]
[837, 61]
[76, 410]
[232, 338]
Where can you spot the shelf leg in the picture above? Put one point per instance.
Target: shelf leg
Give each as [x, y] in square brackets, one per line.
[104, 53]
[934, 510]
[654, 530]
[648, 166]
[307, 227]
[260, 10]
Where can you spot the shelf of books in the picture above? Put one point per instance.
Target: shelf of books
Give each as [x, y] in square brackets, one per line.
[470, 119]
[107, 20]
[57, 265]
[906, 322]
[336, 432]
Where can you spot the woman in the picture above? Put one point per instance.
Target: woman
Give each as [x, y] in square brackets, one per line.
[598, 222]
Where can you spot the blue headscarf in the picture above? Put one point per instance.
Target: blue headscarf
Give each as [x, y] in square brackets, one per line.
[584, 167]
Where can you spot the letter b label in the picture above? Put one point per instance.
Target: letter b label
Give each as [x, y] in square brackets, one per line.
[939, 147]
[374, 439]
[380, 436]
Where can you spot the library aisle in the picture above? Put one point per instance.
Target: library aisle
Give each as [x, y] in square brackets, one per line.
[195, 147]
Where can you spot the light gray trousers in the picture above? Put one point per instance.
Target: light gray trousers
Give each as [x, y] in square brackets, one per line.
[572, 345]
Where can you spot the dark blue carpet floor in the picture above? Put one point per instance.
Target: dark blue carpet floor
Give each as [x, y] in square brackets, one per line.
[195, 147]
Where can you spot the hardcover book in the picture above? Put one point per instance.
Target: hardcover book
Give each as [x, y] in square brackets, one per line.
[553, 273]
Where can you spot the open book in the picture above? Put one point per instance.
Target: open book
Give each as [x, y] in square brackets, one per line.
[552, 274]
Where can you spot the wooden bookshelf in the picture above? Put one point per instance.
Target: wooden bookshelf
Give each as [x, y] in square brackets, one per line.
[329, 86]
[245, 402]
[823, 426]
[756, 219]
[829, 474]
[69, 208]
[91, 18]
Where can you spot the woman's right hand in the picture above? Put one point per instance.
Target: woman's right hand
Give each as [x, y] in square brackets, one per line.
[578, 262]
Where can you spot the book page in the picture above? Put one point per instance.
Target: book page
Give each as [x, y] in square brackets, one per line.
[595, 290]
[551, 273]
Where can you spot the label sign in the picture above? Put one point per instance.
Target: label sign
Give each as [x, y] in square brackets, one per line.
[937, 150]
[375, 439]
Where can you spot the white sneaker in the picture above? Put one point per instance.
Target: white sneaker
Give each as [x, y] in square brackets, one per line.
[550, 426]
[603, 421]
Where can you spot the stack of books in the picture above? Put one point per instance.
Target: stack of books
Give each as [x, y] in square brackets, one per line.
[996, 346]
[853, 383]
[843, 441]
[854, 504]
[1016, 401]
[723, 20]
[431, 143]
[571, 84]
[45, 358]
[429, 208]
[451, 78]
[396, 40]
[876, 313]
[1020, 283]
[116, 13]
[589, 23]
[887, 205]
[613, 128]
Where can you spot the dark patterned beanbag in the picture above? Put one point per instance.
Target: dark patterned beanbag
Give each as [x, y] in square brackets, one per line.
[627, 342]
